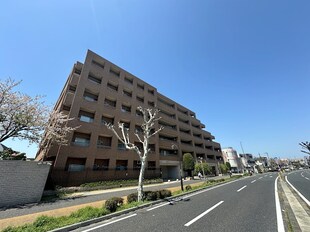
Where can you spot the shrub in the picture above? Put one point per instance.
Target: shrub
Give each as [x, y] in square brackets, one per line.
[164, 193]
[188, 187]
[132, 197]
[150, 195]
[113, 203]
[211, 181]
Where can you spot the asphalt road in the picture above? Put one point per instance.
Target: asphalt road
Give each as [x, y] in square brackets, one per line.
[301, 181]
[40, 207]
[243, 205]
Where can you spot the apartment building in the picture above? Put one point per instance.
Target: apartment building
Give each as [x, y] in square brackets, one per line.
[96, 92]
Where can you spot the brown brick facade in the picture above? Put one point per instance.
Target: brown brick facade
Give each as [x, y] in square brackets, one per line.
[97, 92]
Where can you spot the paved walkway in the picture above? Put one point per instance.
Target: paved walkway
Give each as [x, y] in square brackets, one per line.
[28, 213]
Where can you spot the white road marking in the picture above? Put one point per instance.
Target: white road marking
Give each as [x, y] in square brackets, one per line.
[307, 178]
[265, 175]
[158, 206]
[302, 196]
[117, 220]
[196, 193]
[241, 188]
[253, 181]
[278, 208]
[260, 178]
[270, 176]
[203, 214]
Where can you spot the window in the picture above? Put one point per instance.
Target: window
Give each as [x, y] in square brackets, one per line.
[138, 129]
[140, 99]
[196, 126]
[163, 137]
[66, 108]
[126, 124]
[199, 145]
[139, 145]
[128, 80]
[182, 111]
[81, 139]
[121, 165]
[150, 91]
[166, 103]
[167, 114]
[166, 152]
[107, 120]
[136, 165]
[189, 142]
[72, 89]
[104, 141]
[185, 131]
[86, 116]
[140, 86]
[75, 164]
[90, 96]
[166, 125]
[197, 135]
[151, 165]
[152, 104]
[101, 164]
[112, 86]
[126, 109]
[127, 93]
[121, 146]
[139, 113]
[109, 103]
[184, 121]
[77, 71]
[94, 79]
[152, 147]
[98, 64]
[115, 72]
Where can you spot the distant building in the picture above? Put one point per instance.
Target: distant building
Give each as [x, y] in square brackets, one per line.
[230, 155]
[99, 92]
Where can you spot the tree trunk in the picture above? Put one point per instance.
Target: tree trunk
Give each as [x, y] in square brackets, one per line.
[141, 177]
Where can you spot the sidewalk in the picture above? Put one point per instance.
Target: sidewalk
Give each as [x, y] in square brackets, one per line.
[28, 214]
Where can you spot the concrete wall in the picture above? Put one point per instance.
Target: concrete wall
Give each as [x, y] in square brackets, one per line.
[21, 182]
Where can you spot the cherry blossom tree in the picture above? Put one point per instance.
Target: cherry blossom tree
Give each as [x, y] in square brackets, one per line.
[149, 119]
[21, 116]
[56, 132]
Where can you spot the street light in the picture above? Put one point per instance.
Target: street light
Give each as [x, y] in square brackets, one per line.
[203, 172]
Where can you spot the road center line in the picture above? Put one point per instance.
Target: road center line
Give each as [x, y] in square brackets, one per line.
[253, 181]
[117, 220]
[241, 188]
[203, 214]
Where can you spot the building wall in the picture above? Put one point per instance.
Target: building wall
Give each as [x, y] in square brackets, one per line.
[21, 182]
[117, 94]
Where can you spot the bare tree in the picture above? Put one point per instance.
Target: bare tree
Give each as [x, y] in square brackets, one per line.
[21, 116]
[305, 145]
[149, 119]
[56, 132]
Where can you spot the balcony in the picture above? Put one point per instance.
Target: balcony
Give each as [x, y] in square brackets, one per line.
[68, 99]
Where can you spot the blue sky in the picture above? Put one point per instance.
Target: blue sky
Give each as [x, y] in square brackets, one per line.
[243, 66]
